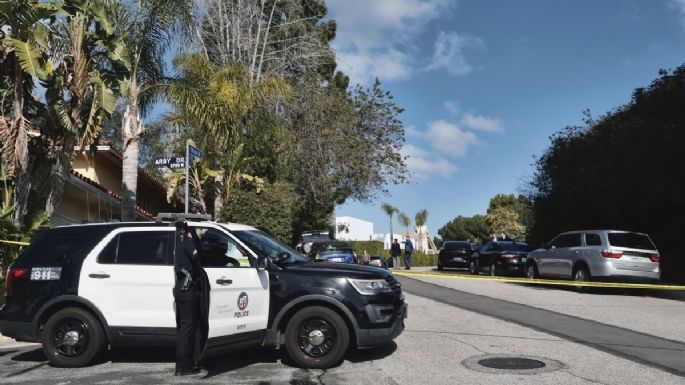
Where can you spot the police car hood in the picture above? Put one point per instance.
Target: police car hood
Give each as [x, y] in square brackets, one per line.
[339, 269]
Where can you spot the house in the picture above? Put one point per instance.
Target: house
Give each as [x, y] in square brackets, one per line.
[353, 229]
[92, 192]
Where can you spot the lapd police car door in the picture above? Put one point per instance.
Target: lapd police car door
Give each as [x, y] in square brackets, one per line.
[129, 276]
[239, 296]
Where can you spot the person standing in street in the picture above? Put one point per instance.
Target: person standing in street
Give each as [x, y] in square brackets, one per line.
[408, 250]
[395, 251]
[188, 295]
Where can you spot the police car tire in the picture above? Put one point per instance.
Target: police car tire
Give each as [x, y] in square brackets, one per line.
[340, 346]
[96, 342]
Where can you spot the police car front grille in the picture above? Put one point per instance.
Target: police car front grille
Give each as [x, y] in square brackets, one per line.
[394, 285]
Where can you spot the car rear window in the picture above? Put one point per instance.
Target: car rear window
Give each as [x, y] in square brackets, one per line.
[631, 240]
[513, 246]
[56, 247]
[457, 245]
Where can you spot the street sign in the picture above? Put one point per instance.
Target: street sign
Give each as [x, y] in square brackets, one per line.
[194, 152]
[173, 162]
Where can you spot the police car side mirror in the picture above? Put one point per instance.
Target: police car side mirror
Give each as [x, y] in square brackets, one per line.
[262, 263]
[282, 257]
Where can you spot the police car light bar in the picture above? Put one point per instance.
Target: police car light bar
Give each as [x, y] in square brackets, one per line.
[173, 217]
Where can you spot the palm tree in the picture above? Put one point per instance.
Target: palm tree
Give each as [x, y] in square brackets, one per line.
[150, 29]
[404, 221]
[21, 57]
[85, 84]
[55, 43]
[420, 220]
[214, 102]
[389, 210]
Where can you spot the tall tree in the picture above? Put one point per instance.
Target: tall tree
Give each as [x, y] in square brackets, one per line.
[281, 38]
[66, 47]
[217, 106]
[420, 220]
[404, 220]
[461, 228]
[389, 211]
[22, 58]
[150, 28]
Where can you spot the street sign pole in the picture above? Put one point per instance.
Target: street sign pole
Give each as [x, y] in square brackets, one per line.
[187, 167]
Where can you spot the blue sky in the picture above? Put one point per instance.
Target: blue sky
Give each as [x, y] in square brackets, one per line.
[484, 83]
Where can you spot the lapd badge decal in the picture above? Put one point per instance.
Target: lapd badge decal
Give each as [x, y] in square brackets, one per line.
[242, 305]
[242, 301]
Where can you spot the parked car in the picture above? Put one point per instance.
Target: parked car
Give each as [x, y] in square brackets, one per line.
[597, 255]
[309, 237]
[83, 288]
[454, 254]
[500, 258]
[379, 261]
[332, 251]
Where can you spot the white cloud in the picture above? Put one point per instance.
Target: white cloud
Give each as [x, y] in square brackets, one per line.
[422, 163]
[449, 55]
[481, 123]
[449, 138]
[363, 68]
[411, 131]
[374, 37]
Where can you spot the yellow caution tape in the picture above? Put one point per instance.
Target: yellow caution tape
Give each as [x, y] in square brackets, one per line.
[15, 242]
[547, 281]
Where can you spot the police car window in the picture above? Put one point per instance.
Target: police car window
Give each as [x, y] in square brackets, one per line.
[139, 248]
[267, 246]
[219, 250]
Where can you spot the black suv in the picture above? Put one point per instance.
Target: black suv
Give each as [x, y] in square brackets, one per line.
[79, 289]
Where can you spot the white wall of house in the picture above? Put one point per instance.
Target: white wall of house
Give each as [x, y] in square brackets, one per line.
[356, 229]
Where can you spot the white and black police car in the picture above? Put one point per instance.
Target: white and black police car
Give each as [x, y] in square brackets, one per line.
[82, 289]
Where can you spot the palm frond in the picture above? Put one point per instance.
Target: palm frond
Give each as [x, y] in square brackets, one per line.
[27, 55]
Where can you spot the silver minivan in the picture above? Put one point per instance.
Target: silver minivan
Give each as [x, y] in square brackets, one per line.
[597, 255]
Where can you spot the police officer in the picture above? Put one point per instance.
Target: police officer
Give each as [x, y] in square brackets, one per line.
[187, 294]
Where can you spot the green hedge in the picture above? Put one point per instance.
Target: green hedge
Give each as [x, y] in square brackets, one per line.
[418, 258]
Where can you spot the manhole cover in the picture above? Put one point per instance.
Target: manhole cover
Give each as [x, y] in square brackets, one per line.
[509, 363]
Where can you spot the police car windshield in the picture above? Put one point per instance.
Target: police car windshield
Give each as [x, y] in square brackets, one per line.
[267, 246]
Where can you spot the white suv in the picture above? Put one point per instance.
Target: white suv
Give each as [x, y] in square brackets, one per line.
[597, 255]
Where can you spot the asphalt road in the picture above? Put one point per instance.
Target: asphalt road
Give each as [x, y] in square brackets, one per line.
[452, 325]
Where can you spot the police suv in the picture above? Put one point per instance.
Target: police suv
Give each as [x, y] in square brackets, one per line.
[80, 289]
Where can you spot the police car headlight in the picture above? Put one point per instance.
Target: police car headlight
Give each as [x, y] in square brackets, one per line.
[370, 286]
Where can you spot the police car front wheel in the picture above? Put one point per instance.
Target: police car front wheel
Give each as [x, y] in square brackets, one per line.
[316, 338]
[73, 337]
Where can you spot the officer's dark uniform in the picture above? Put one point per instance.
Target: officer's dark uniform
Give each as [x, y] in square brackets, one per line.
[187, 296]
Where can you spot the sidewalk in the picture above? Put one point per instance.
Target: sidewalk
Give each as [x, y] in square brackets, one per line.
[9, 343]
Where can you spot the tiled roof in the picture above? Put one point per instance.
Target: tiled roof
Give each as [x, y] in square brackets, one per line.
[108, 192]
[120, 154]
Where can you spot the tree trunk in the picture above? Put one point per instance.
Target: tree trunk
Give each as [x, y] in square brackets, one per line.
[218, 195]
[131, 131]
[129, 180]
[18, 159]
[60, 173]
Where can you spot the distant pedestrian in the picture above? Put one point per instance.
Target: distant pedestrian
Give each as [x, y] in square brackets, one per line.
[395, 252]
[366, 258]
[408, 249]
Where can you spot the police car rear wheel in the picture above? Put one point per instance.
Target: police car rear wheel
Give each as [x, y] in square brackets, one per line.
[72, 338]
[316, 338]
